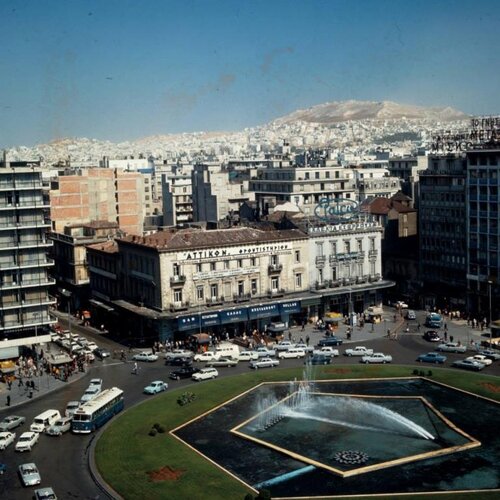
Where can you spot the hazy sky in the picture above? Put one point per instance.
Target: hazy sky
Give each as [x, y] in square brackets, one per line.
[122, 69]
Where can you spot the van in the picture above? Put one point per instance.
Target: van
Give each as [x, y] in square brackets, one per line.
[227, 350]
[44, 420]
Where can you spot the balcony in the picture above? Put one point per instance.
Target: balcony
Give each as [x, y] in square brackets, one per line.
[43, 301]
[275, 268]
[320, 260]
[275, 293]
[179, 306]
[213, 301]
[242, 297]
[372, 254]
[178, 279]
[28, 283]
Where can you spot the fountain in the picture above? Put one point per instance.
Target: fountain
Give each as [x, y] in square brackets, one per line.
[340, 437]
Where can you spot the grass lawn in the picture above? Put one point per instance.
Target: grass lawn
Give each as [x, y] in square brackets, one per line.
[125, 453]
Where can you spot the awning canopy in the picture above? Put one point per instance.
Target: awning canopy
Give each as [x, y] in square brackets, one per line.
[202, 338]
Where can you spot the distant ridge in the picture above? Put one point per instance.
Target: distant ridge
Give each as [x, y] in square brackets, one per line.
[341, 111]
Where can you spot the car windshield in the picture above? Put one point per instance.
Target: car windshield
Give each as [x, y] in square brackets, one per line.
[24, 438]
[29, 470]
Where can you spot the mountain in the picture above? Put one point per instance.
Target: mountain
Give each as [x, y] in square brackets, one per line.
[341, 111]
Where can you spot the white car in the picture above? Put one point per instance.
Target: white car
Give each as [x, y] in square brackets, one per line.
[451, 347]
[205, 374]
[179, 353]
[205, 356]
[60, 426]
[45, 494]
[326, 351]
[293, 352]
[27, 440]
[90, 394]
[6, 438]
[359, 350]
[145, 356]
[264, 363]
[89, 353]
[29, 474]
[155, 387]
[247, 355]
[96, 382]
[284, 345]
[377, 357]
[480, 359]
[264, 352]
[92, 346]
[71, 407]
[304, 347]
[401, 305]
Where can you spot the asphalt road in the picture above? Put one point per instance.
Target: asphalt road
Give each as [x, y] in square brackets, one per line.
[63, 461]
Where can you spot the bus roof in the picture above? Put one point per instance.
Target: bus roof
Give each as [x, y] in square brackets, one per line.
[100, 400]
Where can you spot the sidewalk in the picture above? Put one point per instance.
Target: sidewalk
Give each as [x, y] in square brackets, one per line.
[43, 385]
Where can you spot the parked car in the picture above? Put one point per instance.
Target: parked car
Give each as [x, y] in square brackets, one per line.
[29, 474]
[359, 350]
[11, 422]
[401, 305]
[293, 352]
[223, 362]
[480, 358]
[265, 352]
[179, 361]
[6, 438]
[71, 407]
[451, 347]
[320, 359]
[328, 341]
[205, 374]
[264, 363]
[468, 364]
[88, 353]
[155, 387]
[377, 357]
[327, 351]
[92, 346]
[179, 353]
[89, 394]
[431, 357]
[60, 426]
[101, 353]
[26, 441]
[284, 345]
[248, 355]
[145, 356]
[205, 356]
[410, 314]
[45, 494]
[490, 354]
[307, 348]
[184, 372]
[432, 336]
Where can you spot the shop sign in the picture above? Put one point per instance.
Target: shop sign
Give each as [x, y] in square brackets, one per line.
[209, 319]
[336, 210]
[233, 316]
[290, 307]
[187, 323]
[264, 311]
[234, 252]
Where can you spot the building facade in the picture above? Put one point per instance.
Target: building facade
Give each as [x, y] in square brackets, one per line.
[24, 266]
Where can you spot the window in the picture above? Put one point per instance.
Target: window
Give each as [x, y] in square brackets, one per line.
[297, 256]
[334, 247]
[200, 294]
[212, 266]
[253, 285]
[319, 249]
[241, 287]
[298, 280]
[275, 283]
[226, 264]
[334, 273]
[320, 275]
[253, 261]
[227, 289]
[360, 245]
[316, 175]
[240, 263]
[214, 291]
[347, 246]
[198, 268]
[372, 268]
[372, 243]
[177, 295]
[176, 269]
[307, 175]
[274, 260]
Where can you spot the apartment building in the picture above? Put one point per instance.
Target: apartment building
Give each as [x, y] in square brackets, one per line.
[443, 231]
[24, 266]
[483, 230]
[177, 199]
[218, 192]
[103, 194]
[302, 186]
[374, 182]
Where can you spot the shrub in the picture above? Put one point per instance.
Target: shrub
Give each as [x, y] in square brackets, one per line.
[429, 373]
[263, 495]
[160, 429]
[421, 373]
[153, 432]
[185, 398]
[415, 372]
[248, 496]
[156, 426]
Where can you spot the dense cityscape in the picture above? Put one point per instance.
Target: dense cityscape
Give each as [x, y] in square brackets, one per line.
[352, 247]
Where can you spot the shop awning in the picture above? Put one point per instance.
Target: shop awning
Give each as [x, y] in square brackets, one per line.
[101, 305]
[202, 338]
[59, 359]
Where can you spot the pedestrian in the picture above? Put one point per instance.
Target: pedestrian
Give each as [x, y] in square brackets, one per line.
[418, 326]
[445, 327]
[303, 325]
[289, 335]
[451, 338]
[134, 370]
[20, 382]
[307, 339]
[9, 384]
[8, 400]
[445, 336]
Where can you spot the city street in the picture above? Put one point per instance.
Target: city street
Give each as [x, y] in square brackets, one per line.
[63, 461]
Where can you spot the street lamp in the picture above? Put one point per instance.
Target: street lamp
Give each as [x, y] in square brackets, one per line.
[489, 305]
[67, 294]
